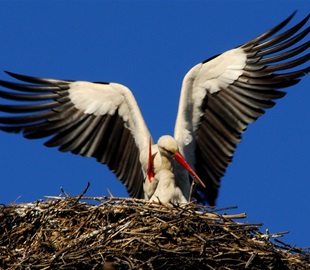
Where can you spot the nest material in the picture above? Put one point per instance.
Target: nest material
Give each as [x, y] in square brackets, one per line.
[67, 233]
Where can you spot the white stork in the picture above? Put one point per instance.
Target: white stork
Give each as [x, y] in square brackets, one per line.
[160, 185]
[219, 98]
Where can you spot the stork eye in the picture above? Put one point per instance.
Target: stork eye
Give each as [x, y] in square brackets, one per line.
[170, 152]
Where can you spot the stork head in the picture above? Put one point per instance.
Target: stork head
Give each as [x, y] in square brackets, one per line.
[168, 147]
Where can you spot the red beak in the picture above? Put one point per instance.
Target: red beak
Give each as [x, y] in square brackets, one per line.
[150, 166]
[179, 158]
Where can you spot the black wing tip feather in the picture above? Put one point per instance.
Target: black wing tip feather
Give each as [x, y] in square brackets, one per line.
[36, 80]
[274, 30]
[288, 19]
[22, 77]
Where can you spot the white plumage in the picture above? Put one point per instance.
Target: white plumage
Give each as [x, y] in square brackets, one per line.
[167, 191]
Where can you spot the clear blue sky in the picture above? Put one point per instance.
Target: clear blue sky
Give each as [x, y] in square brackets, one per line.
[149, 46]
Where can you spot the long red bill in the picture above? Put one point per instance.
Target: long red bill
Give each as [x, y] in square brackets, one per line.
[179, 158]
[150, 166]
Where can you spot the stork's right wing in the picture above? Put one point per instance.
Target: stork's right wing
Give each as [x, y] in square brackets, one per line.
[220, 97]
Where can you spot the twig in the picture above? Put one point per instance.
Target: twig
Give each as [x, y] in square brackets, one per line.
[83, 193]
[63, 191]
[193, 185]
[251, 259]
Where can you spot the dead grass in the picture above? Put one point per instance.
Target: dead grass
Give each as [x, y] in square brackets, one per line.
[119, 233]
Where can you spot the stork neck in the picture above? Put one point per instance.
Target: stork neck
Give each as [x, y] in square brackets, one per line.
[166, 163]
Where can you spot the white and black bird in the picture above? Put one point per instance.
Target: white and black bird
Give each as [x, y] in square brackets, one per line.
[161, 185]
[219, 98]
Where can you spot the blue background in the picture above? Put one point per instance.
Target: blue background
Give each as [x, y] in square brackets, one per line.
[149, 46]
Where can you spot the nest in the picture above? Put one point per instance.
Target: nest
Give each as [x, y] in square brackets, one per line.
[117, 233]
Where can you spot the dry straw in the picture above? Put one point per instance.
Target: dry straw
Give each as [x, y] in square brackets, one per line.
[117, 233]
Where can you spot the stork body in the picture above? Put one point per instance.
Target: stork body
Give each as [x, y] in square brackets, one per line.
[219, 98]
[160, 184]
[167, 191]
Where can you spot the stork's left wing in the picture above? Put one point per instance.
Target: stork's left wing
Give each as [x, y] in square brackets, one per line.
[222, 95]
[100, 120]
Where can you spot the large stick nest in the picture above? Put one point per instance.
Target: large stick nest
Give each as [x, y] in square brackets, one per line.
[71, 233]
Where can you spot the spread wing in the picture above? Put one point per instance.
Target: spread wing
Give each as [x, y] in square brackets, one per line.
[100, 120]
[222, 95]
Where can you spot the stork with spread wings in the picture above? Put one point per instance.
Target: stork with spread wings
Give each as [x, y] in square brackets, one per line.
[219, 98]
